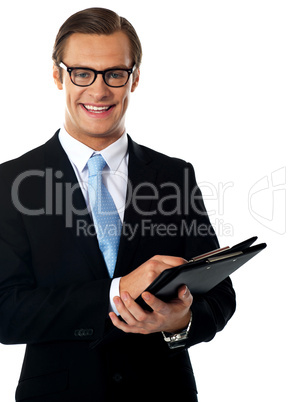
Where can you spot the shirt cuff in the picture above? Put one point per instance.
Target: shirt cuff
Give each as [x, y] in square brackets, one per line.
[114, 291]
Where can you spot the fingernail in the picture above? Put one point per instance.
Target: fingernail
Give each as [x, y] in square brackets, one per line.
[146, 296]
[111, 316]
[124, 297]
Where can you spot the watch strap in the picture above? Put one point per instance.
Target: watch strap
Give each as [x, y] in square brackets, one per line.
[177, 340]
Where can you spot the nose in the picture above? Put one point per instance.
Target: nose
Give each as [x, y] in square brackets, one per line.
[99, 89]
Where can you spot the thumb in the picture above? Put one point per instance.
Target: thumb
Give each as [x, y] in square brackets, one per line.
[185, 295]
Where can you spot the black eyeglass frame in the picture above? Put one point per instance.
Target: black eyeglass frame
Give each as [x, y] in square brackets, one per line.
[96, 73]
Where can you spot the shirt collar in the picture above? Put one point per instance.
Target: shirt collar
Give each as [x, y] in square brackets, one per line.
[80, 153]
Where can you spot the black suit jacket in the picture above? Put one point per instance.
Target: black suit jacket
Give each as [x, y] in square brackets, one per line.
[54, 285]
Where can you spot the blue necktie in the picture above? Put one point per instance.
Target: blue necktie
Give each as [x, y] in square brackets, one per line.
[105, 215]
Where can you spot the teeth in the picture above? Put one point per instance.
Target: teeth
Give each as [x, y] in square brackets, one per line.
[96, 109]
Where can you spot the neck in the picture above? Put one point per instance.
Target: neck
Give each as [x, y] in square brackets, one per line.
[97, 142]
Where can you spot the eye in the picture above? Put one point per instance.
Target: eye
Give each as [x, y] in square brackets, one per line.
[116, 74]
[81, 74]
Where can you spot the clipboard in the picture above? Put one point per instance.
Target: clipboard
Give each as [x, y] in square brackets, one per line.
[202, 273]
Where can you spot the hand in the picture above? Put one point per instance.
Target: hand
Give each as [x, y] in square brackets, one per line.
[138, 280]
[168, 317]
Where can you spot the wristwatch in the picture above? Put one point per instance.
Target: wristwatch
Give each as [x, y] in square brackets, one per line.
[175, 341]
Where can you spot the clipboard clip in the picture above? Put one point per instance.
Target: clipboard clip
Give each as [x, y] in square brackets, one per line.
[224, 256]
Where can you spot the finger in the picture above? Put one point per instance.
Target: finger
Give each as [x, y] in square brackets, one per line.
[128, 328]
[156, 304]
[119, 323]
[185, 295]
[124, 311]
[169, 260]
[128, 323]
[115, 320]
[130, 311]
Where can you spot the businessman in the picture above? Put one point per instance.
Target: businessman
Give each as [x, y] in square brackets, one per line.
[87, 221]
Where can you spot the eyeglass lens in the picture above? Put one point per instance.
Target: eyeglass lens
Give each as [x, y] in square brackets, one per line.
[114, 78]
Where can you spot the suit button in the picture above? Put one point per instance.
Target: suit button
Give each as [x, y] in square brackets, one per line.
[83, 332]
[117, 377]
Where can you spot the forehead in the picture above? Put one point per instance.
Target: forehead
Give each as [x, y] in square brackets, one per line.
[98, 51]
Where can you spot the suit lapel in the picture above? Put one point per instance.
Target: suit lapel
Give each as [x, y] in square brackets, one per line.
[75, 216]
[139, 172]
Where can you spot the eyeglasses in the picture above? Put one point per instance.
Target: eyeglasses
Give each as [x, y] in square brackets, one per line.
[84, 77]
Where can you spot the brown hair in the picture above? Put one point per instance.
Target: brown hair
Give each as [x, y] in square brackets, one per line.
[99, 21]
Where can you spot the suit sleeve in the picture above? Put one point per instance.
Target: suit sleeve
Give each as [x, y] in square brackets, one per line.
[31, 313]
[210, 312]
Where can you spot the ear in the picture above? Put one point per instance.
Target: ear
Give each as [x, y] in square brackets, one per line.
[56, 77]
[136, 79]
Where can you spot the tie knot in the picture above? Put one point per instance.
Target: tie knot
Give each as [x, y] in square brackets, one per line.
[96, 164]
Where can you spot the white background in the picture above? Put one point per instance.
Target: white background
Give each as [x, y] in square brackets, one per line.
[217, 89]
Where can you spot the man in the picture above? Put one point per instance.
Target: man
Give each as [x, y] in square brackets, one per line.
[62, 291]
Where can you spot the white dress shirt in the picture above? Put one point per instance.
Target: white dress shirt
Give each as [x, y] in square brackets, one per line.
[115, 177]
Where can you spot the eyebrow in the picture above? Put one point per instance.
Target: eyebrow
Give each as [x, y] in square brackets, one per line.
[120, 66]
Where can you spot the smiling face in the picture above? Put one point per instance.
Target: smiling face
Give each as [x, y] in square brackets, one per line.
[95, 115]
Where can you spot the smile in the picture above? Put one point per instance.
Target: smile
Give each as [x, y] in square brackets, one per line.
[97, 109]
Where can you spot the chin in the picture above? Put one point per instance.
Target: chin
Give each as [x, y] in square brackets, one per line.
[94, 131]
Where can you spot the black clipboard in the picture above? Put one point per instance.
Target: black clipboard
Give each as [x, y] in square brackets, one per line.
[202, 273]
